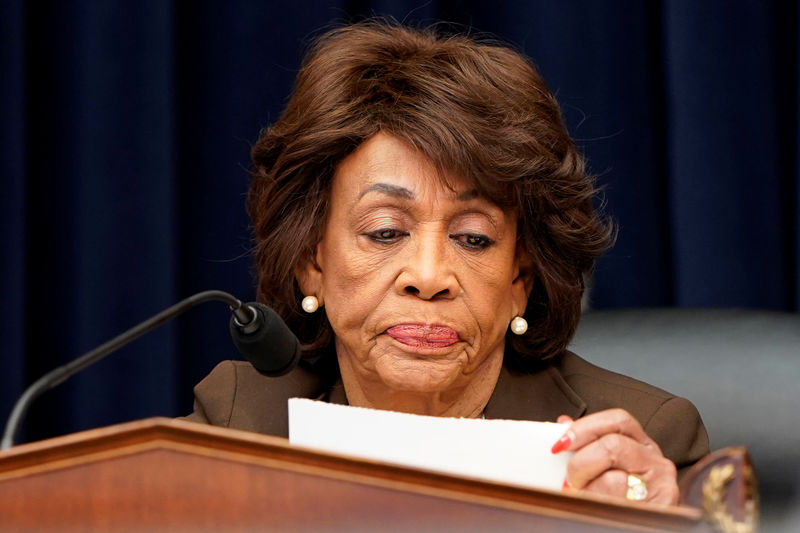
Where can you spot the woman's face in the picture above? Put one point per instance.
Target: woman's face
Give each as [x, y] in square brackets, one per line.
[419, 282]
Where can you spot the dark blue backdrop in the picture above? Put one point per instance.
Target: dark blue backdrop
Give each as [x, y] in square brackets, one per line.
[124, 148]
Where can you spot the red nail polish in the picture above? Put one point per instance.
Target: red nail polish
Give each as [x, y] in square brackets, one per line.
[566, 485]
[561, 444]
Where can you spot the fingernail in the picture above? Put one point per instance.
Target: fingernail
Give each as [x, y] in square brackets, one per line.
[561, 444]
[566, 485]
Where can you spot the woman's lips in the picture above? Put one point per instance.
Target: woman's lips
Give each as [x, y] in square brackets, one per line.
[422, 335]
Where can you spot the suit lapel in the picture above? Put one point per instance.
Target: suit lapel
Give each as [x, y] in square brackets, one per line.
[542, 396]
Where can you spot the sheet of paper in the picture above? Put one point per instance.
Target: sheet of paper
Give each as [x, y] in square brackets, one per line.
[508, 451]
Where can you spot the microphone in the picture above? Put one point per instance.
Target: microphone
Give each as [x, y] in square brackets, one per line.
[266, 341]
[257, 331]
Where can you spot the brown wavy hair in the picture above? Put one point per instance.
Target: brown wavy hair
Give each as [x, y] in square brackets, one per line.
[475, 108]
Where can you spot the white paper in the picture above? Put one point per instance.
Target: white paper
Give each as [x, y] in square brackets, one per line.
[514, 452]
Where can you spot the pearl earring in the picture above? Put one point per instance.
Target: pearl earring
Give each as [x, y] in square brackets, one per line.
[310, 304]
[519, 325]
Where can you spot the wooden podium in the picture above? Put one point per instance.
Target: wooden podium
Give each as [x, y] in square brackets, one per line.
[170, 475]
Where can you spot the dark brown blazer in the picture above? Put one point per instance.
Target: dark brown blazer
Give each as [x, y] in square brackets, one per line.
[235, 395]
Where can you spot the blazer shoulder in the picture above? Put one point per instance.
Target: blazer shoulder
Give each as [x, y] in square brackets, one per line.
[236, 395]
[582, 374]
[213, 395]
[673, 422]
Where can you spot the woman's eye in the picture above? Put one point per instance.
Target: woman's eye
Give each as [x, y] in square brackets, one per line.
[385, 235]
[473, 240]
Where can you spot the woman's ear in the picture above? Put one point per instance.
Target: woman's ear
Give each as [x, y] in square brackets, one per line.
[309, 275]
[522, 285]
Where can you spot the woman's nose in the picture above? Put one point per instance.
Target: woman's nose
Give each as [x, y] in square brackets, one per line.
[428, 270]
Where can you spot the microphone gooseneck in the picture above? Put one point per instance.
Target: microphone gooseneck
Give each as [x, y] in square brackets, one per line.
[259, 333]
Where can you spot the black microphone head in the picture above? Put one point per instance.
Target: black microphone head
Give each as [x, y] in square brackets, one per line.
[271, 348]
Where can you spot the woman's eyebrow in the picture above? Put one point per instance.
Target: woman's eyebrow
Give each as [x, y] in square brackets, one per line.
[386, 188]
[401, 192]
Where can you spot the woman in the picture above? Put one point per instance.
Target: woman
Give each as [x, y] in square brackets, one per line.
[421, 200]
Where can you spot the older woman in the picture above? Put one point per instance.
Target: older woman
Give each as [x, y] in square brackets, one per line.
[424, 223]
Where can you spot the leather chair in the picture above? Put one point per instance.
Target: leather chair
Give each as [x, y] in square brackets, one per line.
[741, 368]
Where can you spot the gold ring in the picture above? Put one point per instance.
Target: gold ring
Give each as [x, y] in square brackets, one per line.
[637, 488]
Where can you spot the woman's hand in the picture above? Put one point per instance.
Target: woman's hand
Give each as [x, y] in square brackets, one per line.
[610, 445]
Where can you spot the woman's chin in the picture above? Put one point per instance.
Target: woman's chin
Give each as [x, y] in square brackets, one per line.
[418, 375]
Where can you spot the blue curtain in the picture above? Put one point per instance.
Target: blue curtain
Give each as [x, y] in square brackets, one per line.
[124, 153]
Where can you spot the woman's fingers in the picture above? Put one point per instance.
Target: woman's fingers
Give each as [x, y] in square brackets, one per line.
[613, 482]
[604, 464]
[612, 451]
[596, 425]
[607, 447]
[660, 489]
